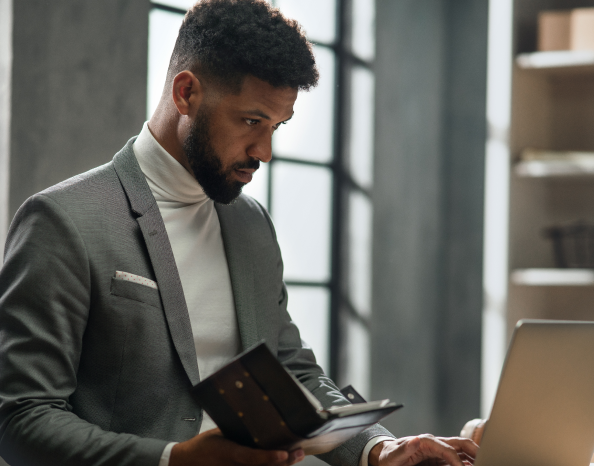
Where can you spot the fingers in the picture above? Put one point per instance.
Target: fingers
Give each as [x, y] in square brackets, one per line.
[431, 446]
[296, 456]
[462, 445]
[253, 457]
[425, 450]
[223, 452]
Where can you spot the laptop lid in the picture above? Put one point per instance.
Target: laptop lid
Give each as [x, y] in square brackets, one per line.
[543, 414]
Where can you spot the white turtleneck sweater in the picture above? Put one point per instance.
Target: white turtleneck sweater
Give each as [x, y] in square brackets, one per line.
[194, 232]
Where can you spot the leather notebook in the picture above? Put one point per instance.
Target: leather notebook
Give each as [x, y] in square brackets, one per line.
[256, 402]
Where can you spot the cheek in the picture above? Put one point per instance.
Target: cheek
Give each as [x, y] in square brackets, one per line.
[223, 133]
[229, 149]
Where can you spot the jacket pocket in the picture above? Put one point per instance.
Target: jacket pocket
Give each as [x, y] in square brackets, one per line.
[136, 291]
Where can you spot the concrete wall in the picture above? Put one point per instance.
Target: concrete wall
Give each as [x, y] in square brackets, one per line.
[5, 73]
[428, 211]
[72, 90]
[5, 81]
[78, 87]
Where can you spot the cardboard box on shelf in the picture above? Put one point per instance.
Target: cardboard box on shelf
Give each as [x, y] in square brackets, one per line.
[554, 30]
[582, 29]
[566, 30]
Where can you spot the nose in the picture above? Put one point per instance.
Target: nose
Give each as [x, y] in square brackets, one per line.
[261, 149]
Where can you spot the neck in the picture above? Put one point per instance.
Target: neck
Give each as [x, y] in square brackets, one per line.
[167, 128]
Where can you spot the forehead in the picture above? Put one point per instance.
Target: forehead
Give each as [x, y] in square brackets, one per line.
[259, 94]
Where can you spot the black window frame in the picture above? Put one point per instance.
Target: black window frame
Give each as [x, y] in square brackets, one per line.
[343, 184]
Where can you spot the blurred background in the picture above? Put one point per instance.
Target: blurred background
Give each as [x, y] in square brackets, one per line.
[411, 191]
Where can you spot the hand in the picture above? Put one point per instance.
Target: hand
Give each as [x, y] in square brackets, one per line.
[212, 449]
[425, 450]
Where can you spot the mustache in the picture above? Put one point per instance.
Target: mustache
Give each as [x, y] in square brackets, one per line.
[252, 163]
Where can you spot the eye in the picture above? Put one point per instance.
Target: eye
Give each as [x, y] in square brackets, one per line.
[251, 121]
[278, 124]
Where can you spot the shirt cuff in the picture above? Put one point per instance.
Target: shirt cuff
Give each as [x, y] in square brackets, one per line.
[363, 461]
[164, 461]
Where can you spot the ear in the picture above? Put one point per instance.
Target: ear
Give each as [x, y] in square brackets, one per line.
[187, 92]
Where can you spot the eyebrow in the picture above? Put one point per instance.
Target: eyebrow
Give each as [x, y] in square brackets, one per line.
[261, 114]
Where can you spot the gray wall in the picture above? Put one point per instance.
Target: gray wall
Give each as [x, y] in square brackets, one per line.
[428, 211]
[5, 72]
[5, 75]
[78, 93]
[78, 87]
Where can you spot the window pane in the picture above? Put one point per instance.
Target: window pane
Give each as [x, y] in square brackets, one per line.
[356, 357]
[258, 187]
[163, 28]
[301, 209]
[360, 224]
[317, 17]
[309, 134]
[310, 310]
[364, 29]
[362, 124]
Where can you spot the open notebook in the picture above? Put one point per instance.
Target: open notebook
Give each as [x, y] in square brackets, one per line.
[256, 402]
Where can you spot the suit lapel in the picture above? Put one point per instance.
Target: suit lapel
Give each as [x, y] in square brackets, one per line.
[234, 229]
[155, 236]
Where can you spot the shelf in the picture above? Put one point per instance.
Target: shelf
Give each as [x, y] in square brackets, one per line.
[561, 62]
[542, 163]
[552, 168]
[553, 277]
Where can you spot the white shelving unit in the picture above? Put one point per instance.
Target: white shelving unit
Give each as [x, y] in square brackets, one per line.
[542, 101]
[553, 277]
[552, 110]
[554, 168]
[561, 62]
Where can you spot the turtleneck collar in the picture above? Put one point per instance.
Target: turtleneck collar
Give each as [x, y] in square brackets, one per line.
[168, 179]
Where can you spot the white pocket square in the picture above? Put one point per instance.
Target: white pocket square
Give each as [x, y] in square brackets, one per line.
[130, 277]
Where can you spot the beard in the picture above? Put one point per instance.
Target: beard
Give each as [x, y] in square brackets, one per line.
[216, 181]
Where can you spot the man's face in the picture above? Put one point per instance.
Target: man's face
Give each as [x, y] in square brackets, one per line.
[233, 134]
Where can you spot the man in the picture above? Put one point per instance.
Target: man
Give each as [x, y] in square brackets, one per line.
[124, 286]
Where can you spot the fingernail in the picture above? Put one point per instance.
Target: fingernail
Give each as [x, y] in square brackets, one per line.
[282, 455]
[299, 454]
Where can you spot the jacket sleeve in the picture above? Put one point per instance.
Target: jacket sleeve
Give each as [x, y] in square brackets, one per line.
[45, 296]
[302, 363]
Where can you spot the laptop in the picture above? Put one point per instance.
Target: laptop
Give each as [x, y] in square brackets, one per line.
[543, 414]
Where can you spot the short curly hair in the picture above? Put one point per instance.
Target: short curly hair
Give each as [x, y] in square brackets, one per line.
[225, 40]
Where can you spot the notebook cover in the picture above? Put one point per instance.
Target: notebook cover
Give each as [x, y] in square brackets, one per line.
[255, 402]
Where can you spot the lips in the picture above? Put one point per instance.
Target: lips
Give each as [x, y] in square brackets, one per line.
[244, 174]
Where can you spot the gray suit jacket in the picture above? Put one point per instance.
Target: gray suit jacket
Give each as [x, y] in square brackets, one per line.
[98, 371]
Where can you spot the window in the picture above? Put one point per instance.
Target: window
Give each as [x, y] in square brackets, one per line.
[317, 186]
